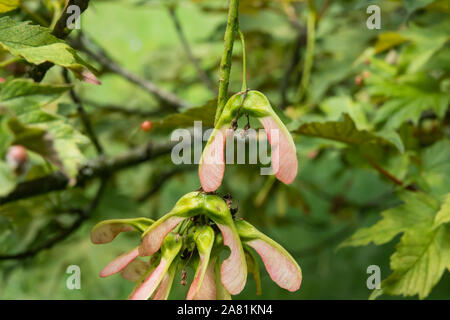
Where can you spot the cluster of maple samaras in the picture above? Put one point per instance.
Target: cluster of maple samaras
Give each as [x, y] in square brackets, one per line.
[252, 103]
[194, 233]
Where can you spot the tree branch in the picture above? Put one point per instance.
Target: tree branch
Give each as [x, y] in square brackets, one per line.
[299, 43]
[83, 215]
[83, 115]
[385, 173]
[60, 30]
[201, 73]
[309, 52]
[291, 14]
[126, 111]
[100, 55]
[324, 9]
[225, 64]
[100, 167]
[382, 171]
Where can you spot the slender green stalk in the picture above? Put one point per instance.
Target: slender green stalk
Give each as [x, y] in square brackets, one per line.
[225, 64]
[244, 62]
[309, 55]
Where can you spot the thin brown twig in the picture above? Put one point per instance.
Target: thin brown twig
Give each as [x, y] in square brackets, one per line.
[127, 111]
[291, 14]
[383, 171]
[410, 187]
[324, 9]
[96, 168]
[84, 44]
[187, 48]
[292, 66]
[83, 115]
[83, 214]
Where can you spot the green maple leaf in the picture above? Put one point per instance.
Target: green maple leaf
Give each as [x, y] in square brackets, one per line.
[435, 168]
[48, 134]
[408, 88]
[347, 131]
[37, 45]
[8, 5]
[443, 215]
[417, 211]
[420, 259]
[408, 97]
[423, 253]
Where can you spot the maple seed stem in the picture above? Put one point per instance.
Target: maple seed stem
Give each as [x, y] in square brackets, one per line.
[225, 63]
[244, 62]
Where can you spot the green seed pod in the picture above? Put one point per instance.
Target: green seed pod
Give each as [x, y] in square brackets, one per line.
[188, 206]
[284, 156]
[169, 250]
[234, 268]
[204, 240]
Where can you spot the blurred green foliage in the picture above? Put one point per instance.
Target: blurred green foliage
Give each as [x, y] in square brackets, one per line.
[372, 130]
